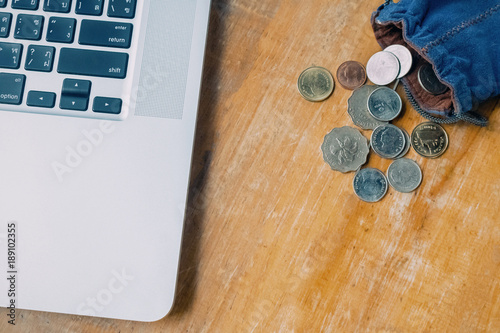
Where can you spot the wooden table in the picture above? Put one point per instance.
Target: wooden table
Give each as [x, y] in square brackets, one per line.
[277, 241]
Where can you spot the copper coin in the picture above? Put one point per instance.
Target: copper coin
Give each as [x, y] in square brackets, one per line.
[351, 75]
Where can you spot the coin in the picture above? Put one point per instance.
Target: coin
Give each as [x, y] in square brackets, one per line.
[404, 175]
[351, 75]
[384, 104]
[382, 68]
[315, 84]
[357, 107]
[404, 57]
[387, 141]
[407, 143]
[429, 140]
[429, 81]
[370, 184]
[345, 149]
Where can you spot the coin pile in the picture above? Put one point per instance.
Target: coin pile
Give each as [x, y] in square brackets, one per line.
[372, 107]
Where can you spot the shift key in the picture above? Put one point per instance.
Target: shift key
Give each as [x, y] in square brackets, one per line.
[103, 33]
[92, 63]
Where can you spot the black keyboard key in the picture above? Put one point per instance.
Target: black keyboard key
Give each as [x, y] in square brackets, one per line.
[76, 87]
[11, 88]
[10, 55]
[121, 8]
[89, 7]
[61, 30]
[93, 63]
[41, 99]
[25, 4]
[107, 105]
[75, 94]
[39, 58]
[5, 19]
[60, 6]
[71, 102]
[3, 3]
[100, 33]
[29, 27]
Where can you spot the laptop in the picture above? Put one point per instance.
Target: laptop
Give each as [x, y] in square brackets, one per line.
[98, 104]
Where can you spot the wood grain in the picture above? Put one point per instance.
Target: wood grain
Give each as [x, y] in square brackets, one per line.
[275, 241]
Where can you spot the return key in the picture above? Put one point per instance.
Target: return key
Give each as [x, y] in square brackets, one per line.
[100, 33]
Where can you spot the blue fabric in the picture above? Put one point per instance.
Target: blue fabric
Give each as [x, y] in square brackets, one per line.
[461, 38]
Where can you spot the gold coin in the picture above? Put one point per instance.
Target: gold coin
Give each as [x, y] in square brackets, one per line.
[429, 140]
[315, 84]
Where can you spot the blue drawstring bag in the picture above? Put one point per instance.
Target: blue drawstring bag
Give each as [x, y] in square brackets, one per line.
[460, 39]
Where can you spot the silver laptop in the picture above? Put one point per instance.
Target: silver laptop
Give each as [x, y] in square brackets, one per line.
[98, 103]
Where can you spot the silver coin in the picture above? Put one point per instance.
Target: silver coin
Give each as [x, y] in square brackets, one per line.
[382, 68]
[384, 104]
[407, 144]
[357, 107]
[429, 81]
[345, 149]
[370, 184]
[404, 175]
[387, 141]
[404, 57]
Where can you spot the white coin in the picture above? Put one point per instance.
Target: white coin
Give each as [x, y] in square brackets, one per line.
[404, 175]
[382, 68]
[404, 57]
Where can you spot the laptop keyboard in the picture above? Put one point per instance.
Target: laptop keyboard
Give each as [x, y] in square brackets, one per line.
[68, 57]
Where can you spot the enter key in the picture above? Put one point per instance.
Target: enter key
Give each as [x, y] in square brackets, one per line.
[100, 33]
